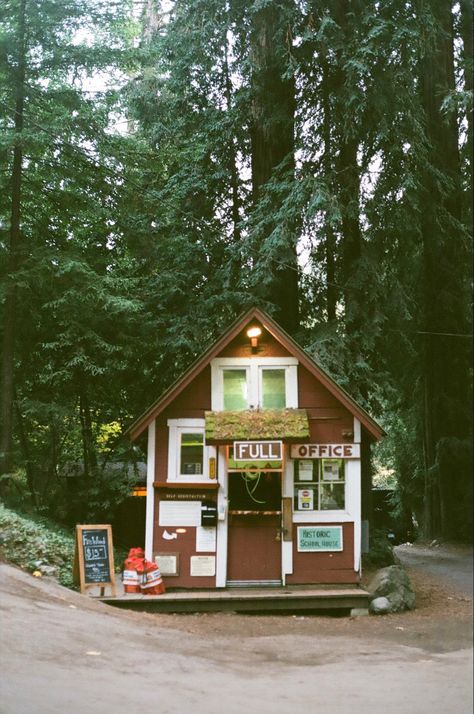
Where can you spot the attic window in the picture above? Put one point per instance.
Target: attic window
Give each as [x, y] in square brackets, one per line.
[255, 383]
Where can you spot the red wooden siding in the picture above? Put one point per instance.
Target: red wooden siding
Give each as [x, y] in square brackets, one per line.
[185, 545]
[328, 419]
[268, 346]
[325, 567]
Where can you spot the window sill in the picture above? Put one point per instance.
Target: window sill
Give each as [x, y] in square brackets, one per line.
[322, 517]
[200, 485]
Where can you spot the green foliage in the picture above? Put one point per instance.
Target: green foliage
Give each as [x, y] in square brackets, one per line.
[38, 544]
[253, 130]
[34, 542]
[380, 552]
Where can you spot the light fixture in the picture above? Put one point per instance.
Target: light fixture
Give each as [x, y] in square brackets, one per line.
[254, 333]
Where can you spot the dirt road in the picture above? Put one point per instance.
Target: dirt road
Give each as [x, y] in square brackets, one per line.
[450, 564]
[63, 653]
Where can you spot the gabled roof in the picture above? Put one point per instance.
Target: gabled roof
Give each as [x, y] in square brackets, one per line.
[281, 336]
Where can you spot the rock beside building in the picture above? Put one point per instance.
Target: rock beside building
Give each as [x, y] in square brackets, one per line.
[391, 591]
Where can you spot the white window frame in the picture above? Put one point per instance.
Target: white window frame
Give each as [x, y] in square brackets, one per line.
[178, 427]
[332, 512]
[254, 367]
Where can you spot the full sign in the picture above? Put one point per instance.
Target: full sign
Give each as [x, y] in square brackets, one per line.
[313, 539]
[258, 450]
[325, 451]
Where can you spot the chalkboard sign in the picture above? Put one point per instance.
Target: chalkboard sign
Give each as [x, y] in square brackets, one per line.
[94, 563]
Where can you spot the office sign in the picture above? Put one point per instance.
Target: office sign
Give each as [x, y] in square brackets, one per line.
[258, 450]
[325, 451]
[313, 539]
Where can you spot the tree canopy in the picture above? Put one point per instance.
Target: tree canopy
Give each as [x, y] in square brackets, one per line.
[312, 158]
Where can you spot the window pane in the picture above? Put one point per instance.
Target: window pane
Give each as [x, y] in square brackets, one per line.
[235, 389]
[332, 497]
[332, 470]
[192, 453]
[306, 497]
[273, 389]
[306, 470]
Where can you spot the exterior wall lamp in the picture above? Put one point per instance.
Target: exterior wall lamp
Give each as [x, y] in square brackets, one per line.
[254, 333]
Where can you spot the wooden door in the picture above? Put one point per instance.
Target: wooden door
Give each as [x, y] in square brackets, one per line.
[254, 537]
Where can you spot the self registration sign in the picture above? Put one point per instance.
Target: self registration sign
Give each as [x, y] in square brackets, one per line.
[312, 539]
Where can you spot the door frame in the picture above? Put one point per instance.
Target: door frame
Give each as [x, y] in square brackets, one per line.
[223, 517]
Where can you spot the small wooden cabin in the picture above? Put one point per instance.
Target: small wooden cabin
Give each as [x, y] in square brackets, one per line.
[254, 467]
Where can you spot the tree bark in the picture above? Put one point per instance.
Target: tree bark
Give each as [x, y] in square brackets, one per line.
[7, 392]
[445, 364]
[272, 143]
[329, 237]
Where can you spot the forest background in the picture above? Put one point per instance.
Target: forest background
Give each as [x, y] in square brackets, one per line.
[164, 166]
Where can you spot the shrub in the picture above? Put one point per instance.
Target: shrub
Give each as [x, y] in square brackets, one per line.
[381, 551]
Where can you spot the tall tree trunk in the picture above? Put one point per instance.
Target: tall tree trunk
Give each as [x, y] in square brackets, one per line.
[272, 140]
[330, 237]
[88, 450]
[445, 365]
[7, 391]
[233, 171]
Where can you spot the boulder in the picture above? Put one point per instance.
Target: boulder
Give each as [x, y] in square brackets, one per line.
[394, 585]
[380, 606]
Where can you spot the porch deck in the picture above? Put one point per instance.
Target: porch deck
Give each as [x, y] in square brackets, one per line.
[250, 599]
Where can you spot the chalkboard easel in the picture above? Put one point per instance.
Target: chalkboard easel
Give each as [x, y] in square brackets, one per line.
[94, 558]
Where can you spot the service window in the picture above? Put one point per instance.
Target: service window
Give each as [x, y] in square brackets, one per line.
[319, 485]
[188, 454]
[191, 454]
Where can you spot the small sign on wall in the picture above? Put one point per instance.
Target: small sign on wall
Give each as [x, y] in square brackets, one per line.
[313, 539]
[203, 565]
[305, 499]
[180, 513]
[168, 563]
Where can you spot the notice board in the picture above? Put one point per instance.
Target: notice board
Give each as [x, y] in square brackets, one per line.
[94, 558]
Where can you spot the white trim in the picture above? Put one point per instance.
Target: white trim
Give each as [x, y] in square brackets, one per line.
[322, 517]
[186, 423]
[287, 545]
[222, 525]
[150, 491]
[357, 431]
[351, 513]
[261, 361]
[353, 476]
[177, 427]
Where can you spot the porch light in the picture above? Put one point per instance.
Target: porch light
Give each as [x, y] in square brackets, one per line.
[254, 333]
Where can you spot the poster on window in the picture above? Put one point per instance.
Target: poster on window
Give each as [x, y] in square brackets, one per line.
[305, 499]
[305, 470]
[331, 470]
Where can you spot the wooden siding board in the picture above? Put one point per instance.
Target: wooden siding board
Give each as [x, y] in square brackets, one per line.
[325, 567]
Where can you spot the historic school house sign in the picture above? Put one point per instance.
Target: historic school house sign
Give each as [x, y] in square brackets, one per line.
[254, 467]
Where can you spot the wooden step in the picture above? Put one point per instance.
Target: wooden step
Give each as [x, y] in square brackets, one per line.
[270, 599]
